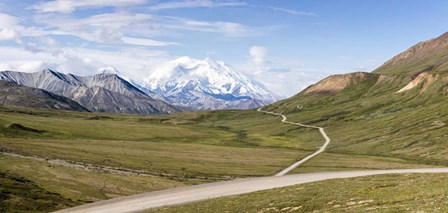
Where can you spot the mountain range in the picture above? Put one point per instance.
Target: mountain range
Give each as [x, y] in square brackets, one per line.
[182, 84]
[98, 93]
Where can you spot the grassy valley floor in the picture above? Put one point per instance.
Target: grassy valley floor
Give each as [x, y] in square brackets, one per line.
[181, 149]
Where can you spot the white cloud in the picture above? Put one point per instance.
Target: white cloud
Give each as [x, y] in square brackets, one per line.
[147, 42]
[343, 58]
[6, 66]
[8, 27]
[110, 28]
[12, 23]
[233, 29]
[133, 63]
[122, 27]
[293, 12]
[287, 82]
[69, 6]
[119, 26]
[212, 4]
[79, 65]
[194, 4]
[8, 21]
[230, 29]
[281, 76]
[258, 54]
[34, 66]
[70, 64]
[8, 34]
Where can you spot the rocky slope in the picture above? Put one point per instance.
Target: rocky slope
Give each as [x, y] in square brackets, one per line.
[13, 95]
[100, 93]
[423, 67]
[336, 83]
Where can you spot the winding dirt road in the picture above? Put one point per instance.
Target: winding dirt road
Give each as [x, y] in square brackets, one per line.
[188, 194]
[298, 163]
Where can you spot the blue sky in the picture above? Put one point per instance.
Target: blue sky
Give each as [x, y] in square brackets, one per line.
[284, 44]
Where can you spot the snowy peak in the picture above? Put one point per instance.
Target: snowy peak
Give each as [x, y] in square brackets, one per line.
[186, 80]
[115, 72]
[112, 71]
[108, 70]
[206, 75]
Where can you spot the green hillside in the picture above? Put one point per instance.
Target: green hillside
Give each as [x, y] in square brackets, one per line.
[388, 113]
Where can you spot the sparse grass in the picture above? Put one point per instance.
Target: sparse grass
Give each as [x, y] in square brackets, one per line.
[182, 160]
[186, 150]
[381, 193]
[339, 162]
[206, 144]
[18, 194]
[79, 185]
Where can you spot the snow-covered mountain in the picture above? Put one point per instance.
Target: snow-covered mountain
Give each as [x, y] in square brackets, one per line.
[101, 93]
[206, 84]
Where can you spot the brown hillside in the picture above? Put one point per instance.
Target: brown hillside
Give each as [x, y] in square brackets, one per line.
[336, 83]
[427, 56]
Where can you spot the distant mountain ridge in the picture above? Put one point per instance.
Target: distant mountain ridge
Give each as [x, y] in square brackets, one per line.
[207, 85]
[179, 85]
[100, 93]
[13, 95]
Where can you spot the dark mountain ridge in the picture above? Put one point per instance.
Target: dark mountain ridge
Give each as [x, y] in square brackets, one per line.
[101, 92]
[13, 95]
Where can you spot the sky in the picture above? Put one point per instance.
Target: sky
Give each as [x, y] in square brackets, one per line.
[284, 44]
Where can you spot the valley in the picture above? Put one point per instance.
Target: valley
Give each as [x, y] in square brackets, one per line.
[206, 147]
[223, 106]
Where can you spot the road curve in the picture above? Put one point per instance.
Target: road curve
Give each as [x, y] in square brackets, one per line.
[188, 194]
[298, 163]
